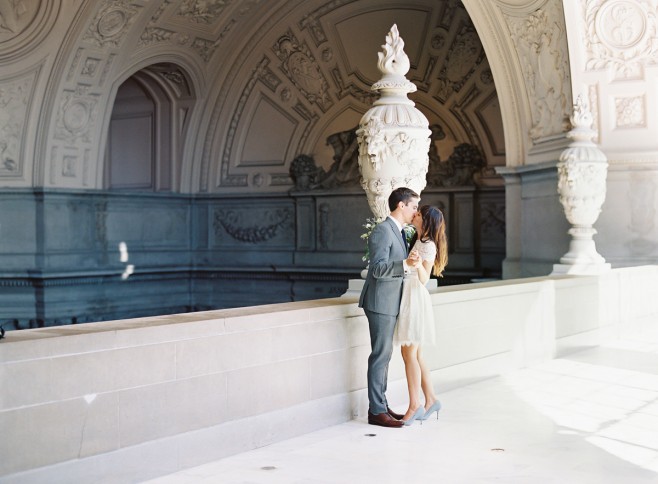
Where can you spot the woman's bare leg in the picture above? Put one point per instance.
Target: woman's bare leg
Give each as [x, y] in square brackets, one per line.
[425, 380]
[413, 372]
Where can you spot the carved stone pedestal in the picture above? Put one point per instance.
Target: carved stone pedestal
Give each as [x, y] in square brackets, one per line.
[582, 173]
[393, 135]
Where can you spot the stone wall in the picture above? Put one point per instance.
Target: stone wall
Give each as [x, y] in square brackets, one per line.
[135, 399]
[72, 256]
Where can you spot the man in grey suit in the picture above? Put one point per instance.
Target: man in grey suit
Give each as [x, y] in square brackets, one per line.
[380, 298]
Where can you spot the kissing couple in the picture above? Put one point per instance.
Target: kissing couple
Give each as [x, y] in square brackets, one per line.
[398, 305]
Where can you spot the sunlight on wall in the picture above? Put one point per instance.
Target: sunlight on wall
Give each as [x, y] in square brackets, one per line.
[614, 408]
[123, 257]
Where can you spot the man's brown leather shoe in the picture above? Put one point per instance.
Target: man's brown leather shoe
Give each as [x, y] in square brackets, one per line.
[384, 420]
[396, 416]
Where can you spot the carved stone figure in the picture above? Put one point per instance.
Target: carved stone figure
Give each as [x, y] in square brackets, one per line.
[305, 173]
[345, 168]
[460, 168]
[344, 171]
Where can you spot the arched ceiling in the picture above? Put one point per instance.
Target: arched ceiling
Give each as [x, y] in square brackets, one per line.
[271, 79]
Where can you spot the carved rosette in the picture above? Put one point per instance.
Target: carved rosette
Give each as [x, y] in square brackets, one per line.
[393, 136]
[582, 173]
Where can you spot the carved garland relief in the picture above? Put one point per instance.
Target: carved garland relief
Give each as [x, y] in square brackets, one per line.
[541, 45]
[233, 223]
[205, 12]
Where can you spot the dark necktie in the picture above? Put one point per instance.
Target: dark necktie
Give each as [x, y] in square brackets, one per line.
[404, 239]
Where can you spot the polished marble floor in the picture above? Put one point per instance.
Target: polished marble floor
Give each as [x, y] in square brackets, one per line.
[588, 417]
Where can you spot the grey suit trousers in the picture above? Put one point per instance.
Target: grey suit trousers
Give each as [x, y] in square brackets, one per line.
[382, 327]
[380, 300]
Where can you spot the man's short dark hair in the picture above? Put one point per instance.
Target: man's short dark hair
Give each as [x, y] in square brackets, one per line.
[401, 194]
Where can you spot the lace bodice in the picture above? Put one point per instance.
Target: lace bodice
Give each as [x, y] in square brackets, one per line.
[426, 250]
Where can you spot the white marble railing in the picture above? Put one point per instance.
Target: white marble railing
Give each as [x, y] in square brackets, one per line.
[151, 396]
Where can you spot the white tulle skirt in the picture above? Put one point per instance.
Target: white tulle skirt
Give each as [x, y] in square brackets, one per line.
[416, 320]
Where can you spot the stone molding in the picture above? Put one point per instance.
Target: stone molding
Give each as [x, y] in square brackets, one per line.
[24, 24]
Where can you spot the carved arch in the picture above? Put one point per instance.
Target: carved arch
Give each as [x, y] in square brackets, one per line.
[173, 96]
[504, 59]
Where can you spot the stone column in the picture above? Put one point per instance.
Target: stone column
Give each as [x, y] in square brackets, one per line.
[393, 136]
[582, 172]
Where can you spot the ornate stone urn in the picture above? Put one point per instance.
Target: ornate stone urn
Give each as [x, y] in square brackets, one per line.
[393, 136]
[582, 172]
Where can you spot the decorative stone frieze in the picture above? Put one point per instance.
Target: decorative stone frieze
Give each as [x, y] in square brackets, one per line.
[542, 48]
[205, 48]
[630, 112]
[205, 12]
[15, 102]
[76, 116]
[465, 56]
[492, 223]
[155, 35]
[393, 135]
[459, 169]
[301, 68]
[111, 23]
[582, 173]
[621, 35]
[90, 66]
[241, 227]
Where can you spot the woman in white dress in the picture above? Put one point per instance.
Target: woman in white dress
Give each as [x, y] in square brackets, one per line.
[415, 325]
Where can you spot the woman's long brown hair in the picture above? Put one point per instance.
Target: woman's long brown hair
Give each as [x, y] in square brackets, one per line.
[434, 229]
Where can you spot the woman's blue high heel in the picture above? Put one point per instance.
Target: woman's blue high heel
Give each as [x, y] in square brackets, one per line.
[416, 416]
[436, 406]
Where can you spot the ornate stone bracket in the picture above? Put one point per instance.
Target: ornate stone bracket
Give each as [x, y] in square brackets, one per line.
[582, 172]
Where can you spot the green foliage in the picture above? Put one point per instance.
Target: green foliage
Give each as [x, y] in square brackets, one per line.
[370, 225]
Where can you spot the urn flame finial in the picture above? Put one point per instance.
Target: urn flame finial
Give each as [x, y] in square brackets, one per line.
[393, 60]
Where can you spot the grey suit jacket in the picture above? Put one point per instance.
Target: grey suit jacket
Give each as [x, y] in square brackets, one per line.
[383, 287]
